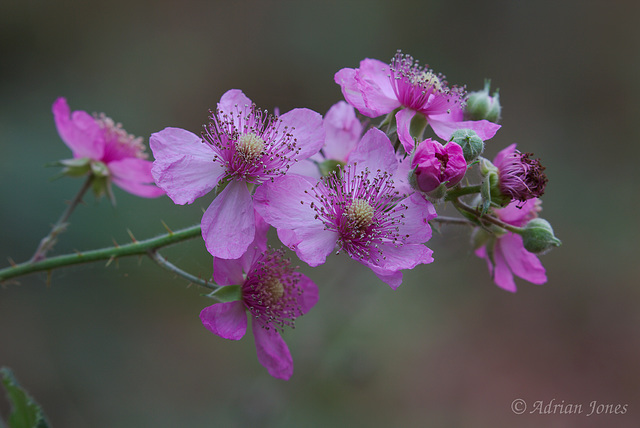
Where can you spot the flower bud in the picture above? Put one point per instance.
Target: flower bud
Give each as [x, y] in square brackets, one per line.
[434, 164]
[472, 145]
[538, 237]
[480, 105]
[520, 177]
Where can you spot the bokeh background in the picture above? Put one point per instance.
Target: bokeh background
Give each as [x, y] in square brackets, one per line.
[122, 346]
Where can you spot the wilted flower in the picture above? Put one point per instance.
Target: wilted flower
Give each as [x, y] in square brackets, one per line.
[102, 148]
[519, 177]
[505, 254]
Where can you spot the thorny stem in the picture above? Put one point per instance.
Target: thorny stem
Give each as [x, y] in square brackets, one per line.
[164, 263]
[47, 243]
[108, 253]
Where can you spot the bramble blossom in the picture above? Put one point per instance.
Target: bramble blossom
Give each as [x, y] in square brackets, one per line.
[101, 146]
[505, 254]
[520, 177]
[377, 88]
[434, 164]
[240, 148]
[357, 210]
[271, 291]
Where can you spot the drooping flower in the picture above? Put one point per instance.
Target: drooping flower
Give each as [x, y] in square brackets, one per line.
[240, 148]
[271, 291]
[434, 164]
[101, 147]
[377, 88]
[359, 211]
[519, 177]
[506, 255]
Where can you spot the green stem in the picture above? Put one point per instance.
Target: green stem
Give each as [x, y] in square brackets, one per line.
[485, 218]
[109, 253]
[166, 264]
[455, 193]
[47, 243]
[452, 220]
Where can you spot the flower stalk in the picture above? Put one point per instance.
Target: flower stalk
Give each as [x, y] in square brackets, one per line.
[136, 248]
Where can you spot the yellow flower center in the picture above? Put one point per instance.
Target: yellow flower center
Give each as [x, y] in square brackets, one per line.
[360, 214]
[250, 146]
[274, 288]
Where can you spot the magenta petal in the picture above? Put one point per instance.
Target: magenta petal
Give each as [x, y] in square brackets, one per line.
[375, 152]
[183, 165]
[502, 154]
[279, 202]
[346, 78]
[316, 243]
[444, 128]
[392, 279]
[375, 85]
[273, 352]
[227, 320]
[232, 101]
[343, 131]
[522, 263]
[403, 121]
[79, 131]
[227, 271]
[309, 296]
[502, 275]
[416, 219]
[306, 127]
[228, 225]
[134, 176]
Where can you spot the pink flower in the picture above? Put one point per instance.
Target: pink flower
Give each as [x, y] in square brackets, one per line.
[358, 210]
[377, 88]
[506, 255]
[520, 178]
[272, 292]
[434, 164]
[240, 148]
[120, 157]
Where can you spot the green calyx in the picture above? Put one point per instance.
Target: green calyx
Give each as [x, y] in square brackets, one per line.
[472, 145]
[538, 237]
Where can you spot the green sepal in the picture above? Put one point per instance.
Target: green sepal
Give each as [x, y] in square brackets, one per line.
[330, 166]
[99, 169]
[538, 237]
[75, 167]
[25, 412]
[228, 293]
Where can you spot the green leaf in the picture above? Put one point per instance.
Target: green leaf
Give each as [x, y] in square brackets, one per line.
[25, 412]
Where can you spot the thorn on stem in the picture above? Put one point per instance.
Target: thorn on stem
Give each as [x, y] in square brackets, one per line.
[167, 227]
[111, 259]
[133, 238]
[11, 262]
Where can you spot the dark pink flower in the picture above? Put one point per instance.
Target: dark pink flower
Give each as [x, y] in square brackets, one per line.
[434, 164]
[377, 88]
[241, 147]
[101, 141]
[272, 292]
[520, 177]
[358, 210]
[506, 255]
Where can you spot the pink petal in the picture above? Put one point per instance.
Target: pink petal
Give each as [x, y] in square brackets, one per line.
[443, 128]
[502, 275]
[306, 126]
[403, 122]
[309, 296]
[374, 152]
[346, 78]
[273, 352]
[183, 165]
[228, 225]
[416, 222]
[392, 279]
[134, 176]
[284, 204]
[522, 263]
[232, 101]
[80, 131]
[315, 244]
[518, 213]
[227, 320]
[227, 271]
[343, 131]
[375, 85]
[395, 258]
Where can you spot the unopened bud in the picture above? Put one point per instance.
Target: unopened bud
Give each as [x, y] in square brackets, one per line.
[538, 237]
[481, 105]
[472, 145]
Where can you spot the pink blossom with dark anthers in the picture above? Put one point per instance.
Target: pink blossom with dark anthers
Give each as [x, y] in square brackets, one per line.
[377, 88]
[505, 254]
[434, 164]
[100, 140]
[359, 211]
[520, 177]
[240, 148]
[272, 292]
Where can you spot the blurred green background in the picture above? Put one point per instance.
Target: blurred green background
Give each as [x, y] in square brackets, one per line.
[123, 346]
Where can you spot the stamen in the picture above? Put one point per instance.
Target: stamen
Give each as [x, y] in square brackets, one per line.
[250, 146]
[360, 214]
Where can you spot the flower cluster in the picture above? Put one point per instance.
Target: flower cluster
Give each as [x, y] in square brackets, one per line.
[332, 184]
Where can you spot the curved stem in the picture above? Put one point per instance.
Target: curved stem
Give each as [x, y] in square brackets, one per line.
[164, 263]
[452, 220]
[485, 218]
[108, 253]
[455, 193]
[49, 241]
